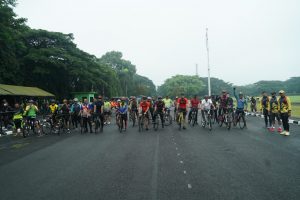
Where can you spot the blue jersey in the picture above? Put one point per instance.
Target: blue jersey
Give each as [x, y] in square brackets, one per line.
[241, 102]
[123, 108]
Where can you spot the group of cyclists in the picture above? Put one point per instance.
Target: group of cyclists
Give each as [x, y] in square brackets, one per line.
[93, 116]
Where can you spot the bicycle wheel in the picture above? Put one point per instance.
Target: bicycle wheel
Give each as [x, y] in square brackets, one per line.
[242, 122]
[228, 122]
[26, 130]
[156, 123]
[120, 124]
[140, 122]
[193, 118]
[133, 118]
[180, 119]
[221, 120]
[209, 122]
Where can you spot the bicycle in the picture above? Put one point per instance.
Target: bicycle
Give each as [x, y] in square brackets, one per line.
[157, 120]
[167, 117]
[237, 120]
[133, 117]
[225, 118]
[207, 120]
[98, 124]
[180, 119]
[142, 120]
[193, 117]
[29, 124]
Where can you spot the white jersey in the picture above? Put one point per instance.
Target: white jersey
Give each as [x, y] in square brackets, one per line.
[206, 105]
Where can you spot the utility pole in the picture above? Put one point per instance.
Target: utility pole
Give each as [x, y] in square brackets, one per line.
[208, 67]
[197, 70]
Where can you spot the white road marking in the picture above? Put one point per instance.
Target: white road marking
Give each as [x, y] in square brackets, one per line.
[189, 186]
[178, 154]
[184, 172]
[176, 148]
[181, 162]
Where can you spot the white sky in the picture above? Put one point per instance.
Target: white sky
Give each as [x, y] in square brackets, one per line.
[249, 40]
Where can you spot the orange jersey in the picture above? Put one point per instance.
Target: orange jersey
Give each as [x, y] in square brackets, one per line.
[145, 106]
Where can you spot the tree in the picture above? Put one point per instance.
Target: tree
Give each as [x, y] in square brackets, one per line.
[190, 85]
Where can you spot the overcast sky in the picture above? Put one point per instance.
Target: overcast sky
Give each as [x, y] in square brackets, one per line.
[248, 40]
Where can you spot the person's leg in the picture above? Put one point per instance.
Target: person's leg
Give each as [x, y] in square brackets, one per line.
[184, 116]
[265, 113]
[161, 114]
[89, 120]
[85, 124]
[284, 121]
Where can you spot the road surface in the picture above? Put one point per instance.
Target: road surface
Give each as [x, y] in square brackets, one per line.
[167, 164]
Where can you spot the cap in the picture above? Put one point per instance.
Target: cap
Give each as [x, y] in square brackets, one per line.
[273, 92]
[75, 99]
[281, 92]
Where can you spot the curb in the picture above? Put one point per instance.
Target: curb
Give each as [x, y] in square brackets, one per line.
[291, 121]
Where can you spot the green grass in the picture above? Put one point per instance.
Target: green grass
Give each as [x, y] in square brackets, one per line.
[295, 99]
[296, 111]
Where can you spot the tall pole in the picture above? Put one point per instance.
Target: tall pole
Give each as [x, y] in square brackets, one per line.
[197, 70]
[208, 67]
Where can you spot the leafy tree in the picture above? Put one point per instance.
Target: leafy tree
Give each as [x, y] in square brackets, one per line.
[190, 85]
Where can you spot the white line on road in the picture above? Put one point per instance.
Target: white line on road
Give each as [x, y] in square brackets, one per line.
[181, 162]
[178, 154]
[176, 148]
[184, 172]
[189, 186]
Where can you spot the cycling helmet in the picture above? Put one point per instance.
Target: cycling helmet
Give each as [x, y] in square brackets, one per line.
[144, 98]
[30, 101]
[51, 101]
[75, 99]
[240, 93]
[206, 97]
[159, 97]
[149, 98]
[118, 100]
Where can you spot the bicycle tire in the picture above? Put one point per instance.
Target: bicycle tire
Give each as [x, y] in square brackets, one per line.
[242, 123]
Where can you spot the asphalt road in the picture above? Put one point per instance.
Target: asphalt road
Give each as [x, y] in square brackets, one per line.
[167, 164]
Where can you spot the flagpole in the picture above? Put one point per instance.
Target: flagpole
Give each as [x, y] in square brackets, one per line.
[208, 67]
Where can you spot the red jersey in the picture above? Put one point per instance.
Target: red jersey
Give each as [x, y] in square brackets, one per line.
[195, 103]
[182, 103]
[145, 106]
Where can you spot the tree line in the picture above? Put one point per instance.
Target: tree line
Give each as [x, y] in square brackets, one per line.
[53, 62]
[194, 85]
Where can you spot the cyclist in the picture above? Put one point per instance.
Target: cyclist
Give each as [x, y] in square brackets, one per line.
[18, 118]
[65, 111]
[151, 109]
[53, 109]
[30, 113]
[241, 104]
[133, 106]
[274, 115]
[98, 109]
[194, 108]
[182, 104]
[223, 105]
[215, 105]
[107, 111]
[75, 110]
[285, 109]
[122, 110]
[85, 113]
[206, 106]
[168, 103]
[159, 108]
[144, 110]
[265, 108]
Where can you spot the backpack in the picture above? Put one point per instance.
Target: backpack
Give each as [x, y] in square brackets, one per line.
[76, 108]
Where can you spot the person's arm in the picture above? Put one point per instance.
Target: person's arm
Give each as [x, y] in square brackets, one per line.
[234, 93]
[289, 106]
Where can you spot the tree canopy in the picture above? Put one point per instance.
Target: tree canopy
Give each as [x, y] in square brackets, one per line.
[52, 61]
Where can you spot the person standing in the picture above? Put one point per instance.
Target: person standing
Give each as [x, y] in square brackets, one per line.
[285, 110]
[265, 108]
[274, 110]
